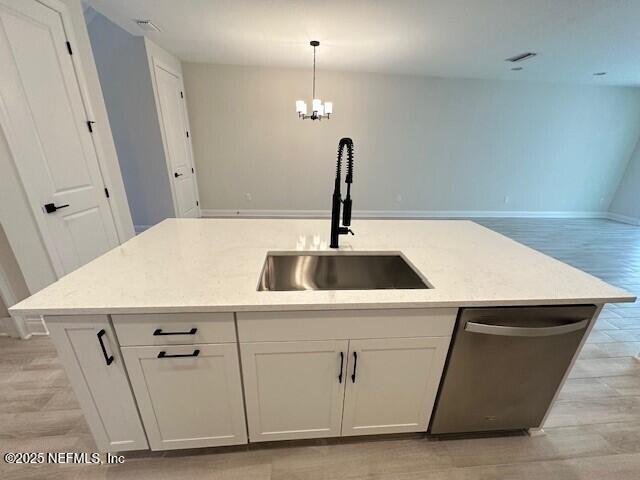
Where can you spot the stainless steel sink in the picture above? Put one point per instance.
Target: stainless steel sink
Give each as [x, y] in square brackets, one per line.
[317, 271]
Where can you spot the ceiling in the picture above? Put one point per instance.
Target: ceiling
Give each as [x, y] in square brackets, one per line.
[445, 38]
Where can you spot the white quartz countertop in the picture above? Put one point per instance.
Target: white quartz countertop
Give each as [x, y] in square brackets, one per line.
[213, 265]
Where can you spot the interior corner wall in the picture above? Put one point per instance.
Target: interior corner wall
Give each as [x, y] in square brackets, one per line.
[422, 144]
[121, 59]
[626, 202]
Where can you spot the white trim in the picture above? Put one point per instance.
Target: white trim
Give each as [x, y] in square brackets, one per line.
[35, 326]
[408, 214]
[622, 218]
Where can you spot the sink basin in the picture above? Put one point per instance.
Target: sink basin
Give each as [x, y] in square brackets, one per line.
[318, 271]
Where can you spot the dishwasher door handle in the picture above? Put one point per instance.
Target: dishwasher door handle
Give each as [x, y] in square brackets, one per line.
[524, 331]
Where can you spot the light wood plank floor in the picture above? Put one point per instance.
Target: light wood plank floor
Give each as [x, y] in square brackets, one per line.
[593, 432]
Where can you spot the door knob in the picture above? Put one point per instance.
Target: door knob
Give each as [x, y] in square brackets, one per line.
[176, 174]
[50, 207]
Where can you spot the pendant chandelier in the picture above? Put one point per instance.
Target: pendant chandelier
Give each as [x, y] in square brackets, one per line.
[318, 109]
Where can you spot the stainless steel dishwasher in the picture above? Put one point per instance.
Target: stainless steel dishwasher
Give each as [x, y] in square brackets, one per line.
[505, 365]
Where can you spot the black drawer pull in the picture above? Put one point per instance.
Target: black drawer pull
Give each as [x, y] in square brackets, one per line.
[190, 332]
[355, 365]
[107, 358]
[163, 354]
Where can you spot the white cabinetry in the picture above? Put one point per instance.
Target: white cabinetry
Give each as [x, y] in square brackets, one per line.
[189, 395]
[185, 374]
[305, 374]
[344, 375]
[392, 384]
[294, 389]
[89, 352]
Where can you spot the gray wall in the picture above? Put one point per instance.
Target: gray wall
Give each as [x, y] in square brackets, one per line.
[627, 199]
[422, 144]
[126, 85]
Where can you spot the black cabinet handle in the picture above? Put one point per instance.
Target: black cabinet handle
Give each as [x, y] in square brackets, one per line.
[355, 365]
[163, 354]
[176, 174]
[107, 358]
[159, 331]
[52, 207]
[341, 365]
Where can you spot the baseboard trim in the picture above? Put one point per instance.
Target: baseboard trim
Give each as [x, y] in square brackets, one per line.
[407, 214]
[622, 218]
[35, 326]
[20, 327]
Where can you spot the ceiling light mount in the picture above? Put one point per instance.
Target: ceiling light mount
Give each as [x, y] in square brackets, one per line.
[318, 109]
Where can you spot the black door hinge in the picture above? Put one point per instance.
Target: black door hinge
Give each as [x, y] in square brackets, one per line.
[187, 134]
[192, 170]
[90, 125]
[69, 49]
[106, 192]
[197, 203]
[181, 95]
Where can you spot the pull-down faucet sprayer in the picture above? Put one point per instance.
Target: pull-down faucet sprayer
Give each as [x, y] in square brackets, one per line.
[336, 229]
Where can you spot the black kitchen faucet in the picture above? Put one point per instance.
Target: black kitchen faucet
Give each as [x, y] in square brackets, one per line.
[336, 229]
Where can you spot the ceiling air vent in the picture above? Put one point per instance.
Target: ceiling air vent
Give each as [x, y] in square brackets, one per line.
[147, 25]
[521, 57]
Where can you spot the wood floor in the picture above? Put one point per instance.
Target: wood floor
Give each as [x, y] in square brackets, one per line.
[593, 432]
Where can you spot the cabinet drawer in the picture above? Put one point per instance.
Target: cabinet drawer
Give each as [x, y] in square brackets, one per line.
[174, 328]
[345, 324]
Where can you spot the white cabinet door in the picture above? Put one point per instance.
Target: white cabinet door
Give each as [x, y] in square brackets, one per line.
[89, 352]
[189, 396]
[294, 389]
[45, 122]
[176, 136]
[392, 384]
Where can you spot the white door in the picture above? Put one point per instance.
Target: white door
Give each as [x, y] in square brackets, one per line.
[89, 352]
[189, 396]
[177, 141]
[45, 122]
[392, 384]
[294, 389]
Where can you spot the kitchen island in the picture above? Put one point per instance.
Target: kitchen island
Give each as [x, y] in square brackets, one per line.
[168, 342]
